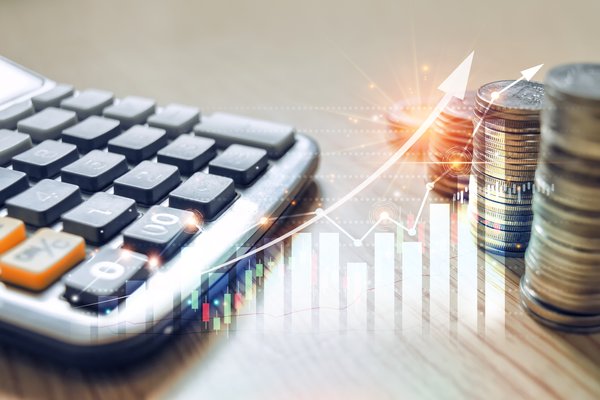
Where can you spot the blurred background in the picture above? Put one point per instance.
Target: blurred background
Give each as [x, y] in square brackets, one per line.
[331, 68]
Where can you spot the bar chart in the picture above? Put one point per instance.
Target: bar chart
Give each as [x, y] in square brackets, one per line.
[430, 281]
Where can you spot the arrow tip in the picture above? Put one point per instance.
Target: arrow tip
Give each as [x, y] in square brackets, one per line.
[530, 72]
[456, 83]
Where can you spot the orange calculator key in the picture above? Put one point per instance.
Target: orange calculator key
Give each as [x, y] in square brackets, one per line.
[41, 259]
[12, 232]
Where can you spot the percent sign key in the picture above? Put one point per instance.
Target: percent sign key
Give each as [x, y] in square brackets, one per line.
[41, 259]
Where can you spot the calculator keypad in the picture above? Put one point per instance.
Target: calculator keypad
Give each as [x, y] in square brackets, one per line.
[235, 151]
[40, 260]
[160, 232]
[46, 159]
[43, 203]
[104, 281]
[100, 218]
[47, 124]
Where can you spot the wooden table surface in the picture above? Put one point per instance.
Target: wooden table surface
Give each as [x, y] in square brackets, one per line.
[332, 69]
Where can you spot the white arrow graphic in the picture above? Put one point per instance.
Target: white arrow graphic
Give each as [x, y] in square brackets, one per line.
[454, 86]
[526, 74]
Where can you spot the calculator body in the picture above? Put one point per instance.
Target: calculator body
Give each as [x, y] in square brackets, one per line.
[45, 323]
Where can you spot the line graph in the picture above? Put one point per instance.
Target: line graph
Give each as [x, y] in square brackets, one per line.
[454, 85]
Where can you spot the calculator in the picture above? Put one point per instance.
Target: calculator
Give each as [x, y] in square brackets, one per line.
[114, 211]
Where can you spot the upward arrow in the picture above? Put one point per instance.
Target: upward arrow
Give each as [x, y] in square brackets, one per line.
[456, 83]
[528, 73]
[454, 86]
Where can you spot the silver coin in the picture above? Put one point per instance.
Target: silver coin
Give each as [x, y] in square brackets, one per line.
[576, 81]
[523, 97]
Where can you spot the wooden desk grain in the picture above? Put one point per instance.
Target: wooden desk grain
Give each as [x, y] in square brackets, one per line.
[331, 68]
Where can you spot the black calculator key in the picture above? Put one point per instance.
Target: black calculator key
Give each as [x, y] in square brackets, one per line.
[45, 160]
[131, 110]
[52, 97]
[11, 183]
[148, 182]
[13, 114]
[204, 193]
[175, 119]
[188, 153]
[11, 144]
[240, 163]
[44, 203]
[138, 143]
[92, 133]
[95, 171]
[100, 218]
[160, 232]
[47, 124]
[88, 102]
[104, 281]
[229, 129]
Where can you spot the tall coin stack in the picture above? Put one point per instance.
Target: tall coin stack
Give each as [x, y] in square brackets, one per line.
[561, 285]
[505, 150]
[451, 146]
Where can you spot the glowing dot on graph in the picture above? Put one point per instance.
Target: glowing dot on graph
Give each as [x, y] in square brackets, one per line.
[264, 220]
[384, 215]
[153, 262]
[74, 298]
[425, 68]
[216, 302]
[495, 95]
[371, 85]
[412, 232]
[357, 242]
[429, 186]
[318, 211]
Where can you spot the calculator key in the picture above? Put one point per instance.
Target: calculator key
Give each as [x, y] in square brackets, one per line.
[40, 260]
[240, 163]
[188, 153]
[160, 232]
[100, 218]
[229, 129]
[148, 182]
[11, 183]
[12, 232]
[13, 114]
[45, 160]
[131, 110]
[138, 143]
[95, 171]
[52, 97]
[88, 102]
[43, 203]
[175, 119]
[47, 124]
[205, 193]
[102, 282]
[92, 133]
[11, 144]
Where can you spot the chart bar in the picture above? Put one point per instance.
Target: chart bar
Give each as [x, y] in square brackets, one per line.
[439, 267]
[466, 274]
[274, 287]
[329, 281]
[301, 269]
[412, 281]
[384, 263]
[356, 296]
[495, 299]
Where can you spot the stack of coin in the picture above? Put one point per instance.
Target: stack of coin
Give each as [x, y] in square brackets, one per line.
[451, 146]
[505, 150]
[561, 285]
